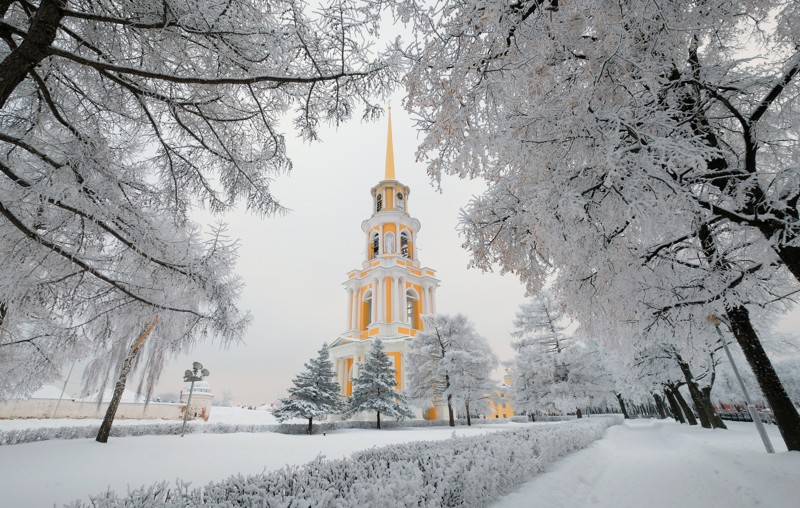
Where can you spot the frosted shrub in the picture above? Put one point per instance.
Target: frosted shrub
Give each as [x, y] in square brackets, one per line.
[20, 436]
[461, 471]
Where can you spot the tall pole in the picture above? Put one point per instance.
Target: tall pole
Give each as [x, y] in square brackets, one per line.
[750, 407]
[186, 413]
[63, 389]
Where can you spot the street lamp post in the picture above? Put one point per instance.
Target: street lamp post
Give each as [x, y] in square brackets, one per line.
[751, 408]
[197, 373]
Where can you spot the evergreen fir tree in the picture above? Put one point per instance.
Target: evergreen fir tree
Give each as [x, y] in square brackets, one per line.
[315, 392]
[374, 388]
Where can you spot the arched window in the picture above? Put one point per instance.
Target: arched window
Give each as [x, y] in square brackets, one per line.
[401, 203]
[404, 244]
[378, 202]
[388, 243]
[375, 244]
[412, 316]
[366, 310]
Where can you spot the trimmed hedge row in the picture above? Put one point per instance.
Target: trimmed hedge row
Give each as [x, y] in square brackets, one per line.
[461, 471]
[11, 437]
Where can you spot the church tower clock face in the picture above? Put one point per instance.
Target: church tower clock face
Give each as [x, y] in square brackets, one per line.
[391, 291]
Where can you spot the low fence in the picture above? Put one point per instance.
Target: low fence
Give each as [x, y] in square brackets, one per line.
[744, 416]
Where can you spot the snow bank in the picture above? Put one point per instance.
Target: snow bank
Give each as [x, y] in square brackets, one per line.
[461, 471]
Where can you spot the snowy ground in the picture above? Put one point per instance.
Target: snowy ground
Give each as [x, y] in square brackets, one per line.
[654, 464]
[59, 471]
[642, 463]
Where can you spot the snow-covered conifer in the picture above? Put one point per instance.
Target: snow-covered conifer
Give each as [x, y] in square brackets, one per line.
[375, 388]
[541, 321]
[315, 393]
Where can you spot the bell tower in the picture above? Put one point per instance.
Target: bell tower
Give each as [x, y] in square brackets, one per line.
[391, 291]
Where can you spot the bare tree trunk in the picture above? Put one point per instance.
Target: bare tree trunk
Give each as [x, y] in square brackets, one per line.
[673, 403]
[662, 413]
[450, 410]
[687, 411]
[105, 427]
[716, 421]
[622, 405]
[449, 401]
[33, 48]
[379, 420]
[310, 427]
[694, 392]
[786, 415]
[469, 420]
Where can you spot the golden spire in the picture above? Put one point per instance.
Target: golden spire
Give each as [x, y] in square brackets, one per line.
[389, 151]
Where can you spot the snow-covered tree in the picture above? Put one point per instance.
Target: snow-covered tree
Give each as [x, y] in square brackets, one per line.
[539, 368]
[315, 393]
[541, 321]
[628, 147]
[469, 367]
[375, 388]
[448, 361]
[116, 120]
[546, 381]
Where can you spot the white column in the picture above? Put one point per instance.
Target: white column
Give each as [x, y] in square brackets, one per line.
[414, 246]
[393, 289]
[433, 300]
[380, 240]
[379, 301]
[354, 308]
[349, 309]
[403, 302]
[396, 299]
[374, 300]
[425, 300]
[344, 375]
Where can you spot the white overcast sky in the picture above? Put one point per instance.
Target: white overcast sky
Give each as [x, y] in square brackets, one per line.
[294, 266]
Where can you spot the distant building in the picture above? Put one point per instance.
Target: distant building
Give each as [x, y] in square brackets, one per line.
[202, 397]
[387, 296]
[500, 405]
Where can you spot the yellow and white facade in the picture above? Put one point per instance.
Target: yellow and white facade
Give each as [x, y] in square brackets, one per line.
[389, 294]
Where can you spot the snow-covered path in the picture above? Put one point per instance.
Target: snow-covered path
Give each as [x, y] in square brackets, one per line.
[654, 464]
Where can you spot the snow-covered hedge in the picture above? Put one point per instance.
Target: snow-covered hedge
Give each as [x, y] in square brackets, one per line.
[461, 471]
[20, 436]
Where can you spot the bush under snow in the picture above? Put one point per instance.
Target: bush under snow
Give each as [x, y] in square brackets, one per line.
[462, 471]
[29, 435]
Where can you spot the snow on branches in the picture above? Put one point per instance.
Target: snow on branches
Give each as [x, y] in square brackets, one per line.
[644, 154]
[449, 362]
[116, 119]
